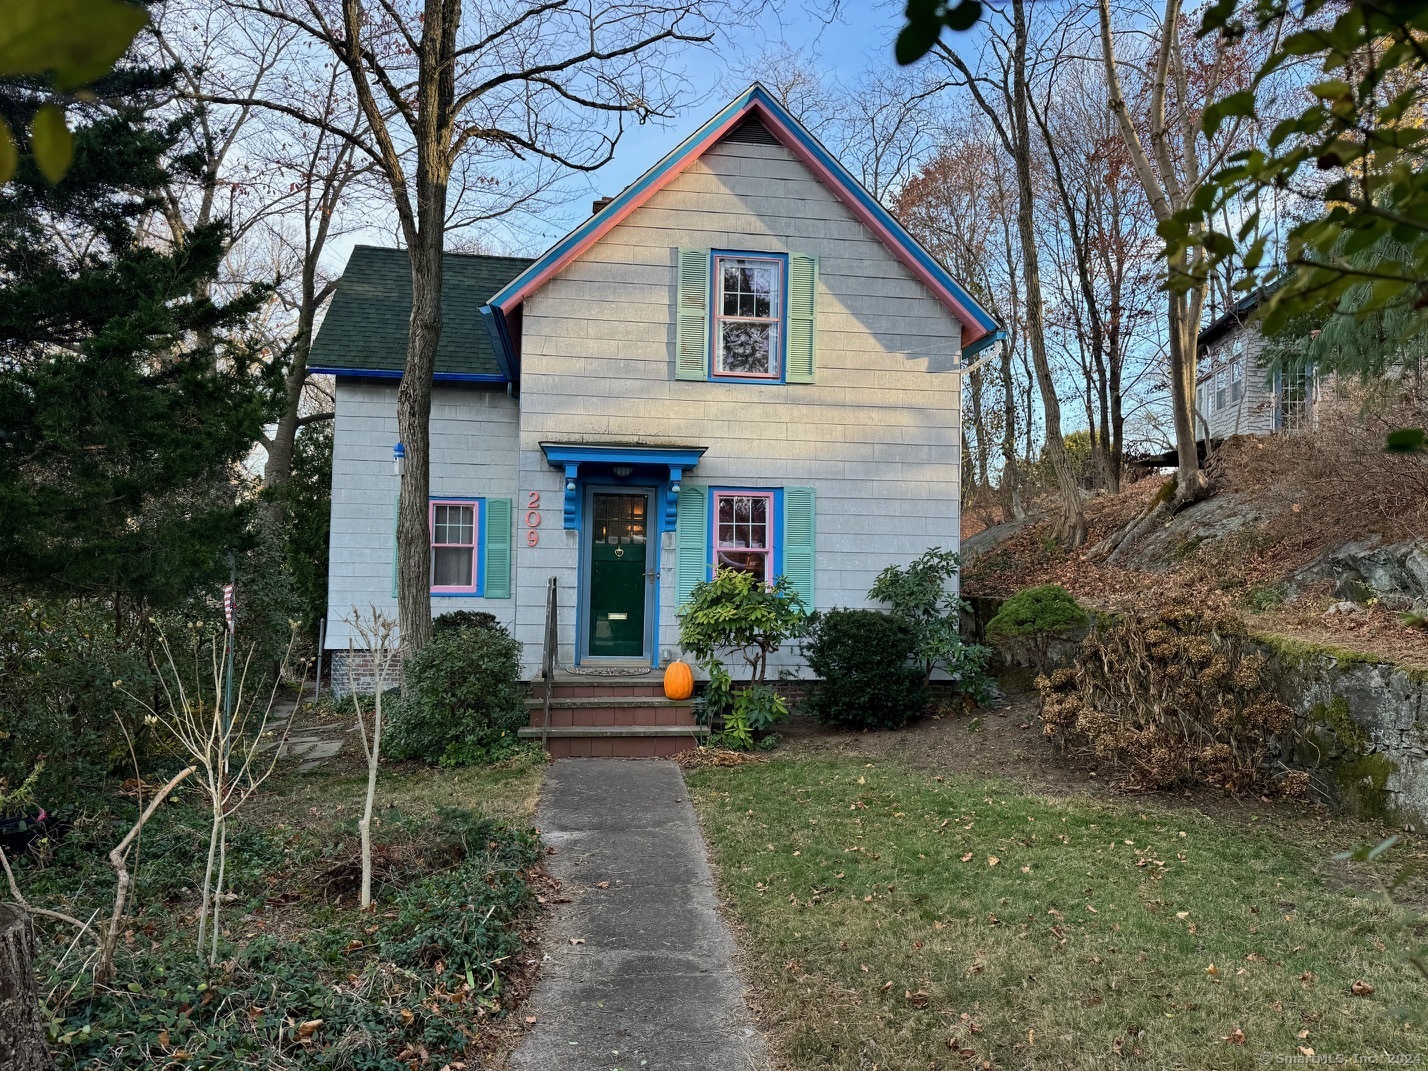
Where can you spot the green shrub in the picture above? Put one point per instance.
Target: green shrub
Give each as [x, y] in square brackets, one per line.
[1032, 619]
[464, 700]
[58, 665]
[921, 594]
[456, 620]
[868, 678]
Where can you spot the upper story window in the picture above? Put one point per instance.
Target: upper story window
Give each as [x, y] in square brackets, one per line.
[1237, 379]
[748, 317]
[453, 546]
[743, 532]
[1220, 389]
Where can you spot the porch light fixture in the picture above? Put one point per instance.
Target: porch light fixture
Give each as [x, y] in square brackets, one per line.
[622, 471]
[399, 460]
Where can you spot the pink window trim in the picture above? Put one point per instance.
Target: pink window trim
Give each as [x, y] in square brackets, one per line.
[766, 551]
[475, 505]
[776, 345]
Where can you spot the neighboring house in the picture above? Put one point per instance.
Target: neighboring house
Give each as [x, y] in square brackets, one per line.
[1236, 393]
[742, 361]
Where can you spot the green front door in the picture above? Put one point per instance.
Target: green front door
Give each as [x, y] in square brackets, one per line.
[616, 625]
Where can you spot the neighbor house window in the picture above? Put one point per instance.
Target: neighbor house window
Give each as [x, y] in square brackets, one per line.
[453, 546]
[1237, 379]
[748, 312]
[1220, 389]
[743, 532]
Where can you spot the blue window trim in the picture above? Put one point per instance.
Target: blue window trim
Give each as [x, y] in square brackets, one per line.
[711, 510]
[479, 565]
[724, 377]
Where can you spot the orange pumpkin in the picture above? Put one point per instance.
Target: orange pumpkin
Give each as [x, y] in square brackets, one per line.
[678, 681]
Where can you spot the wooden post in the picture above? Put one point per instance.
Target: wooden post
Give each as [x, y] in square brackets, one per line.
[22, 1035]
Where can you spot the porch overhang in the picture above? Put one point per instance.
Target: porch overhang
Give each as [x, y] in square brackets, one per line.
[668, 463]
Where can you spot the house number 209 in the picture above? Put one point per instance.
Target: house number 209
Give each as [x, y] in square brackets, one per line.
[533, 519]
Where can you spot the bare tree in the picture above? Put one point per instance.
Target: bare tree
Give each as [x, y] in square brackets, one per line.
[1179, 77]
[1009, 114]
[443, 96]
[376, 633]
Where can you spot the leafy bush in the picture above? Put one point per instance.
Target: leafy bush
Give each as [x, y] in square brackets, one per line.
[1176, 695]
[865, 661]
[736, 611]
[456, 620]
[1034, 618]
[921, 595]
[58, 665]
[464, 700]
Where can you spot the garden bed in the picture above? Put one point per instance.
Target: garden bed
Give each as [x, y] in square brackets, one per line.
[431, 975]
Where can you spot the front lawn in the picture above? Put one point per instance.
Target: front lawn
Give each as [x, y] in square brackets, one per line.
[901, 918]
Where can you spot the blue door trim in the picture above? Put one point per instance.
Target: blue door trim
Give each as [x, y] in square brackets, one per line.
[654, 540]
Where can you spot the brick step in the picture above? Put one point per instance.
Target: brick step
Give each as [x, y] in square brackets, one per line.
[619, 742]
[597, 688]
[613, 712]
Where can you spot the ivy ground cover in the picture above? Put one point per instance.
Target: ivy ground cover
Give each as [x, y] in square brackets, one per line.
[898, 918]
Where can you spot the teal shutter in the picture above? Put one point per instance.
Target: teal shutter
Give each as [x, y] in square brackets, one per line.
[396, 514]
[802, 317]
[496, 553]
[798, 531]
[691, 535]
[691, 334]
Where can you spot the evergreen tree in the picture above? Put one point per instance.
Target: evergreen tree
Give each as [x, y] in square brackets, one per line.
[128, 393]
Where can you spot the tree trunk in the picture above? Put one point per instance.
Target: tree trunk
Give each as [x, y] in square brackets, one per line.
[22, 1036]
[414, 431]
[436, 95]
[1072, 528]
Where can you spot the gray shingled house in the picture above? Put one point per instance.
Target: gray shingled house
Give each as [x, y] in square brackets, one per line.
[1236, 393]
[742, 361]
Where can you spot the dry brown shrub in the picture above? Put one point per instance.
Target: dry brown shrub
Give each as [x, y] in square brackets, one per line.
[1174, 694]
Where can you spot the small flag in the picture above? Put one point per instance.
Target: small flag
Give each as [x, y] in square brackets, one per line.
[228, 606]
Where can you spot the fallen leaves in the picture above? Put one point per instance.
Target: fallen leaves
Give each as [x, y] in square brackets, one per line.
[1361, 988]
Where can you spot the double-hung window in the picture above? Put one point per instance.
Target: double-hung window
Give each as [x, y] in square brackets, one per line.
[748, 314]
[1237, 379]
[454, 539]
[1220, 389]
[743, 532]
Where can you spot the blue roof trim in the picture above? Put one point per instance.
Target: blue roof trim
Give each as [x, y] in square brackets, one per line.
[391, 373]
[755, 94]
[982, 343]
[496, 327]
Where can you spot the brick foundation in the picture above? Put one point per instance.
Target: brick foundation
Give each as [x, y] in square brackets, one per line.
[351, 671]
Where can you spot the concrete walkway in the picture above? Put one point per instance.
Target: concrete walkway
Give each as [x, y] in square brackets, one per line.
[639, 973]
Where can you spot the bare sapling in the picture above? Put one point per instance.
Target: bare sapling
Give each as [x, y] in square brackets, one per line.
[376, 633]
[227, 745]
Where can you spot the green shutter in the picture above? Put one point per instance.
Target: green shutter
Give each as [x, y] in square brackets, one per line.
[798, 541]
[691, 534]
[691, 345]
[802, 317]
[496, 554]
[396, 515]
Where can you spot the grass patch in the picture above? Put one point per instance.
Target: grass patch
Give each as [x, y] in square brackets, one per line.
[901, 920]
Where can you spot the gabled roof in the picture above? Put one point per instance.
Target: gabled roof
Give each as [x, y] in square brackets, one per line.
[980, 329]
[365, 330]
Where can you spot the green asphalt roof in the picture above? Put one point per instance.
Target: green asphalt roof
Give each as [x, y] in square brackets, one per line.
[366, 326]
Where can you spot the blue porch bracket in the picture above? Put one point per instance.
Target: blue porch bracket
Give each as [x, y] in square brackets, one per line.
[665, 465]
[572, 499]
